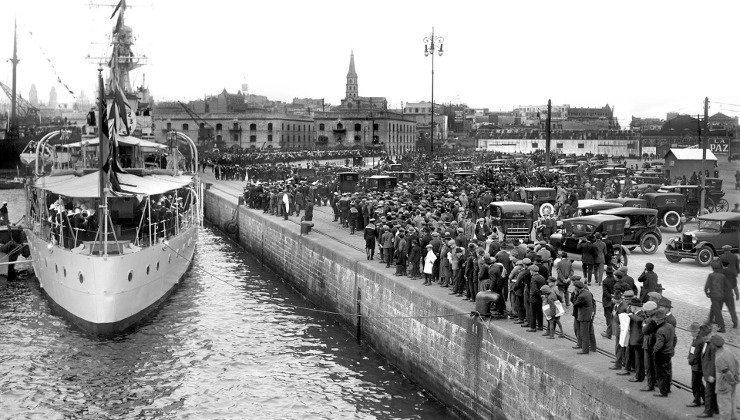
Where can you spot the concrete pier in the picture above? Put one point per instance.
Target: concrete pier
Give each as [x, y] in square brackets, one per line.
[482, 369]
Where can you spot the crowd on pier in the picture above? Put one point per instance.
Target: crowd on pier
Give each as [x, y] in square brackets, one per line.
[442, 231]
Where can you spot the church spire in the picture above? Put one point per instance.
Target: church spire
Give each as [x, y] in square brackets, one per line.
[351, 91]
[351, 71]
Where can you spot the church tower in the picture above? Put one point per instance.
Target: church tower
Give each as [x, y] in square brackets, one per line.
[351, 92]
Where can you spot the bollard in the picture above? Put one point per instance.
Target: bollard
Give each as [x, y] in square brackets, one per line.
[484, 300]
[306, 227]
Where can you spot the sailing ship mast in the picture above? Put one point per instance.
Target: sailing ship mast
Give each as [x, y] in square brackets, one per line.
[13, 123]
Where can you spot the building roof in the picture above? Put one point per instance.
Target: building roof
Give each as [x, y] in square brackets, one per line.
[690, 154]
[351, 71]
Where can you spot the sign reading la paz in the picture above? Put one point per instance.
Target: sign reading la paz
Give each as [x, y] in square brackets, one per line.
[719, 146]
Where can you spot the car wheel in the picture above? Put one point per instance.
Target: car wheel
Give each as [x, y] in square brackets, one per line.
[621, 259]
[709, 205]
[672, 218]
[546, 209]
[649, 244]
[704, 256]
[722, 205]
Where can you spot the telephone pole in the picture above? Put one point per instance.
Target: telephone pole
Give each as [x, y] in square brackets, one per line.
[547, 139]
[703, 145]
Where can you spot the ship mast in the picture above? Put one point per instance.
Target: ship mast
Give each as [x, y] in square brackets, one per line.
[13, 123]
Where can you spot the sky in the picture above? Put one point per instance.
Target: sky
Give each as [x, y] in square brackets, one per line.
[645, 58]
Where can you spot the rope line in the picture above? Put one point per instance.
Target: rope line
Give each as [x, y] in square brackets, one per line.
[351, 314]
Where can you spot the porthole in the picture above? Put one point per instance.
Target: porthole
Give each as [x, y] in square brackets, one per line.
[147, 270]
[130, 275]
[64, 270]
[157, 265]
[81, 277]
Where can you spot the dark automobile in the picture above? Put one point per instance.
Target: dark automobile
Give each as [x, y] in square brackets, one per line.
[464, 174]
[715, 193]
[577, 229]
[715, 230]
[670, 208]
[542, 198]
[513, 219]
[640, 229]
[348, 181]
[693, 198]
[403, 176]
[628, 202]
[395, 167]
[381, 182]
[589, 207]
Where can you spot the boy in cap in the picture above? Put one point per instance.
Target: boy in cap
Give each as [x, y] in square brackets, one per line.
[649, 282]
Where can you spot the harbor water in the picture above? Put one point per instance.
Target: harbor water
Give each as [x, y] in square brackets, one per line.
[229, 343]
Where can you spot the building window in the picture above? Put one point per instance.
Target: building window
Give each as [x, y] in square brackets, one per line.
[185, 127]
[321, 127]
[235, 137]
[269, 126]
[169, 126]
[202, 125]
[559, 145]
[581, 145]
[235, 126]
[376, 126]
[252, 138]
[219, 139]
[219, 127]
[358, 127]
[358, 138]
[252, 127]
[340, 126]
[269, 137]
[282, 126]
[535, 145]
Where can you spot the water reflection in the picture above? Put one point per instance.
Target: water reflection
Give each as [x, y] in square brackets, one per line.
[213, 350]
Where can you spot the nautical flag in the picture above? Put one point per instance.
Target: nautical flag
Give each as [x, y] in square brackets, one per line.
[119, 112]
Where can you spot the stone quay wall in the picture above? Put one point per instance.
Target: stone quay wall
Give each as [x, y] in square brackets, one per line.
[480, 370]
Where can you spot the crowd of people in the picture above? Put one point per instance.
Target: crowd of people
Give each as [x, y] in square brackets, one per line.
[442, 231]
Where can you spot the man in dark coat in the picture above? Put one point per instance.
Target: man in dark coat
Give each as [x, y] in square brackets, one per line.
[730, 270]
[663, 351]
[370, 239]
[649, 282]
[607, 300]
[698, 333]
[535, 299]
[715, 291]
[588, 259]
[707, 352]
[583, 304]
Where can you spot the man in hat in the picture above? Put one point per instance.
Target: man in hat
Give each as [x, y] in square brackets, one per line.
[635, 360]
[600, 251]
[387, 240]
[588, 258]
[648, 342]
[564, 270]
[649, 281]
[402, 251]
[663, 351]
[619, 324]
[730, 270]
[607, 301]
[370, 235]
[714, 288]
[583, 310]
[535, 299]
[707, 353]
[727, 376]
[523, 278]
[622, 277]
[698, 335]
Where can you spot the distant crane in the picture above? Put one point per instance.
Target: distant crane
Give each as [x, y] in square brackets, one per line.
[205, 129]
[26, 112]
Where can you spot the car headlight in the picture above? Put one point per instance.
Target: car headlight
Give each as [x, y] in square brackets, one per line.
[693, 239]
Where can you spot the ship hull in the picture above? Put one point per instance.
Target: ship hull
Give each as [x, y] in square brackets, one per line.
[109, 295]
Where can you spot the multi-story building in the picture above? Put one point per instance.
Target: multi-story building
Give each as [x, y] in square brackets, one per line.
[394, 132]
[421, 113]
[535, 115]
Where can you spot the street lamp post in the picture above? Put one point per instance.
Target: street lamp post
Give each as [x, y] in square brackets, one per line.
[430, 47]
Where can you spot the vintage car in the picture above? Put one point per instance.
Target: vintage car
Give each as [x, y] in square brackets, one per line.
[670, 206]
[395, 167]
[542, 198]
[403, 176]
[460, 165]
[628, 202]
[715, 230]
[577, 229]
[693, 198]
[589, 207]
[348, 181]
[464, 174]
[641, 189]
[640, 229]
[513, 219]
[308, 174]
[381, 182]
[715, 193]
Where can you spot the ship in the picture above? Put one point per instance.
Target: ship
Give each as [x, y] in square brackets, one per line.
[112, 220]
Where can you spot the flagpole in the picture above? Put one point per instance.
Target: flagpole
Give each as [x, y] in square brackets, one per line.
[103, 207]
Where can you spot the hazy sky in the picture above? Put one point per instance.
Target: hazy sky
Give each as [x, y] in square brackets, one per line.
[645, 57]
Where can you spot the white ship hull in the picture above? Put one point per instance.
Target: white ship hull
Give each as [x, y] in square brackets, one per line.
[95, 293]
